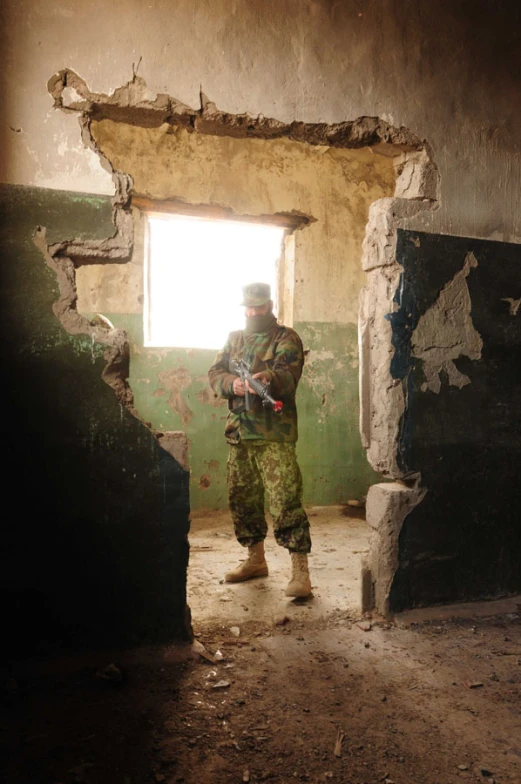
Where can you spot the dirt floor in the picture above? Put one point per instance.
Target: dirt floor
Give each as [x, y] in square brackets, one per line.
[281, 691]
[340, 539]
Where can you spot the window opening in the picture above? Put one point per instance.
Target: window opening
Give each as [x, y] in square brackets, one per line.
[194, 273]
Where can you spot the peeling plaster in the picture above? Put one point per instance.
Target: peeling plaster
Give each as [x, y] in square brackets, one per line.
[175, 443]
[205, 482]
[387, 507]
[255, 178]
[382, 397]
[514, 304]
[117, 354]
[175, 381]
[207, 397]
[446, 332]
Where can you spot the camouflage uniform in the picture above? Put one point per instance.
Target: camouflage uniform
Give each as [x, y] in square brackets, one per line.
[262, 444]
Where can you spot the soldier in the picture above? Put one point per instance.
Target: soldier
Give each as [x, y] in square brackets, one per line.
[262, 457]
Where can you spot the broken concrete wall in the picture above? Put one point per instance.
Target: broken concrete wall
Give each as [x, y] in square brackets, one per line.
[333, 187]
[383, 397]
[447, 71]
[94, 543]
[439, 372]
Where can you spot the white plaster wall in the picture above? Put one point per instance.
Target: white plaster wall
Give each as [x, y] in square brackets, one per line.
[448, 70]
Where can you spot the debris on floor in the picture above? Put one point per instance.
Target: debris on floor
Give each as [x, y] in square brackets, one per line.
[273, 691]
[313, 706]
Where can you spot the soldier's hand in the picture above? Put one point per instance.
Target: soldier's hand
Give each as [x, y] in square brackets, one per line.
[262, 377]
[238, 387]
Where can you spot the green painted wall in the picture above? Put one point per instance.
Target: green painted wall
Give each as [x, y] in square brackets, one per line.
[172, 393]
[94, 546]
[332, 459]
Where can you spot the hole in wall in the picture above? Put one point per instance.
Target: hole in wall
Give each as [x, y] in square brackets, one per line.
[128, 132]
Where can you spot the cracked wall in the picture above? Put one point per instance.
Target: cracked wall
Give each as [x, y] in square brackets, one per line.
[163, 160]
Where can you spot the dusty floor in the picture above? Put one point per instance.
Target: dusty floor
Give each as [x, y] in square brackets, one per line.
[340, 538]
[311, 695]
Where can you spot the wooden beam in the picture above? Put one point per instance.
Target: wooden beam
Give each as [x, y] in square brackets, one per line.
[153, 207]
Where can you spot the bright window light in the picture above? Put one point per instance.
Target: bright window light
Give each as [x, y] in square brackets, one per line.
[194, 275]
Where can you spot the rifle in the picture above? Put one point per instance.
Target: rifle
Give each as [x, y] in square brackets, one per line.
[240, 368]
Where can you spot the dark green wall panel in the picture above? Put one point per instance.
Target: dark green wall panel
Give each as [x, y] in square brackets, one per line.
[463, 541]
[95, 544]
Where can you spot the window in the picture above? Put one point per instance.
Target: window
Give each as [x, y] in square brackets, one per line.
[194, 272]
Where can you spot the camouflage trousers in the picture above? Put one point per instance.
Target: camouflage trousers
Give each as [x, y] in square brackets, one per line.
[270, 469]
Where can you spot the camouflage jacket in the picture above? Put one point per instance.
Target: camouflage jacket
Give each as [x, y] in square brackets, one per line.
[280, 355]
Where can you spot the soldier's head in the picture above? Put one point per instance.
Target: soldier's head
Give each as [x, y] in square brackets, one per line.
[256, 298]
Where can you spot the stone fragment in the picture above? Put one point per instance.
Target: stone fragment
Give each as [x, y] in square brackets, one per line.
[198, 649]
[387, 507]
[221, 685]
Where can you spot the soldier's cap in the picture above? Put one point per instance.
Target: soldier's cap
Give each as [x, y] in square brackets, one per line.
[255, 294]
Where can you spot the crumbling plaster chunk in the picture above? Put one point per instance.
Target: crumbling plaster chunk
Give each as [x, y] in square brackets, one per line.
[385, 217]
[387, 507]
[418, 176]
[175, 442]
[71, 93]
[382, 399]
[514, 304]
[117, 353]
[446, 332]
